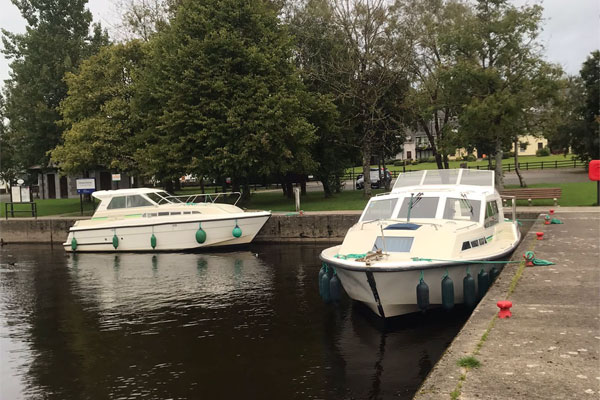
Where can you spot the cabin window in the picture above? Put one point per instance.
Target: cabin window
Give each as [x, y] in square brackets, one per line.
[176, 213]
[162, 214]
[117, 202]
[422, 207]
[137, 201]
[380, 209]
[491, 213]
[466, 245]
[474, 243]
[462, 209]
[394, 244]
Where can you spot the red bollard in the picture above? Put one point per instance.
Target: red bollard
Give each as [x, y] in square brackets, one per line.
[504, 306]
[551, 211]
[529, 256]
[540, 235]
[547, 220]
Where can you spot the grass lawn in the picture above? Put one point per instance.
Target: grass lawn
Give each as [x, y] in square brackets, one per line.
[573, 194]
[481, 163]
[313, 201]
[69, 207]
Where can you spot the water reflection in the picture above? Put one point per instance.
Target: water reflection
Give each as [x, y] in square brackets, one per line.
[225, 325]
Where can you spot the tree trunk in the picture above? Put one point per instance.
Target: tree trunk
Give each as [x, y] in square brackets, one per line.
[498, 158]
[169, 186]
[303, 186]
[367, 171]
[517, 169]
[387, 182]
[446, 163]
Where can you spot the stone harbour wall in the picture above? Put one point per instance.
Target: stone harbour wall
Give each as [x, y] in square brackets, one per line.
[318, 227]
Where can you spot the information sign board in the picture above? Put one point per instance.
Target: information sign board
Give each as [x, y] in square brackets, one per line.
[116, 177]
[86, 185]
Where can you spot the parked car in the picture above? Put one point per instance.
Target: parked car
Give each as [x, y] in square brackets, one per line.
[375, 182]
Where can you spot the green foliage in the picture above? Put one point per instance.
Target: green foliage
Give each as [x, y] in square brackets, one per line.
[499, 80]
[469, 157]
[9, 166]
[99, 115]
[543, 152]
[227, 99]
[56, 40]
[578, 125]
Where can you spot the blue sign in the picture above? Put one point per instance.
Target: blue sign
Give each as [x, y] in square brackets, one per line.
[85, 191]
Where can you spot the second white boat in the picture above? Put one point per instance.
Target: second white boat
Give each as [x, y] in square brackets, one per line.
[147, 219]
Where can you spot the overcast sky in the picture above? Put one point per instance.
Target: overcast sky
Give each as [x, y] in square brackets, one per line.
[571, 28]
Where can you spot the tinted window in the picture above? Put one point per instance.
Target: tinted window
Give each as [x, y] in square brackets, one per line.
[424, 207]
[380, 209]
[117, 202]
[137, 201]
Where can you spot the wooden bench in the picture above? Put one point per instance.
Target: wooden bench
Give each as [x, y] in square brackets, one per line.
[534, 193]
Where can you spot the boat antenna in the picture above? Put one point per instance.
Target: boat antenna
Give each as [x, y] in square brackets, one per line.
[410, 206]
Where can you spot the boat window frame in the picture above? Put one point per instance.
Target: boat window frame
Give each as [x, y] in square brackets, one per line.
[494, 217]
[476, 217]
[437, 196]
[375, 199]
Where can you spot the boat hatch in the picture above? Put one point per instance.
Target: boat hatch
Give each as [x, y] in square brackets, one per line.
[405, 227]
[394, 244]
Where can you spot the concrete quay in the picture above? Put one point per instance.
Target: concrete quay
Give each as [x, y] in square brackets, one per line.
[550, 347]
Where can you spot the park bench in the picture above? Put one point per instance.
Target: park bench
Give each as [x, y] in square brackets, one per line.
[534, 193]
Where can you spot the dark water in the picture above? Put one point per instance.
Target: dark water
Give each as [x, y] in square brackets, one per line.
[246, 324]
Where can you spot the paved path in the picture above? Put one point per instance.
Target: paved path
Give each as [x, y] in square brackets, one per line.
[550, 348]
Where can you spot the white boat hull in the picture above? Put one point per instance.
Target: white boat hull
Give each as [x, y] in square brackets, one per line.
[175, 235]
[391, 291]
[397, 290]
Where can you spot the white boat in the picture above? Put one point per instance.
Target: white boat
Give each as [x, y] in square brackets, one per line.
[434, 223]
[148, 219]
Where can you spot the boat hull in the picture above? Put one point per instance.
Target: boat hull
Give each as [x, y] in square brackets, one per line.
[179, 235]
[391, 291]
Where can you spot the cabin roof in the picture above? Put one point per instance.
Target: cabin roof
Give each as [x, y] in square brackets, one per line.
[104, 194]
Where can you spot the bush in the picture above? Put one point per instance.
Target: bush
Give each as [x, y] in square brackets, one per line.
[415, 162]
[469, 157]
[508, 154]
[431, 159]
[543, 152]
[399, 163]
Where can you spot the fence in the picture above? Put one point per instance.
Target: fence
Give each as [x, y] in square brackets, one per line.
[352, 176]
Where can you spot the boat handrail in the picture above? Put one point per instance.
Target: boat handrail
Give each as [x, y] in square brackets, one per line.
[206, 197]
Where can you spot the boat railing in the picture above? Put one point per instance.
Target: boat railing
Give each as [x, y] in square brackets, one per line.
[513, 200]
[205, 197]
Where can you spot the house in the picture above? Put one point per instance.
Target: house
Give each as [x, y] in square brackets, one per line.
[52, 185]
[416, 147]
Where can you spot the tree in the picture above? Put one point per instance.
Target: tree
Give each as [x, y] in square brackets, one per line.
[426, 25]
[316, 48]
[57, 39]
[500, 79]
[230, 99]
[9, 167]
[101, 124]
[580, 112]
[141, 19]
[362, 60]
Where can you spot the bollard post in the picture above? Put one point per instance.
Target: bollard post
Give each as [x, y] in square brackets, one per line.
[504, 306]
[297, 198]
[540, 235]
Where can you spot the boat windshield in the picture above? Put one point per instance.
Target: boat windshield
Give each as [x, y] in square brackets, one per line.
[380, 209]
[462, 209]
[422, 207]
[162, 198]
